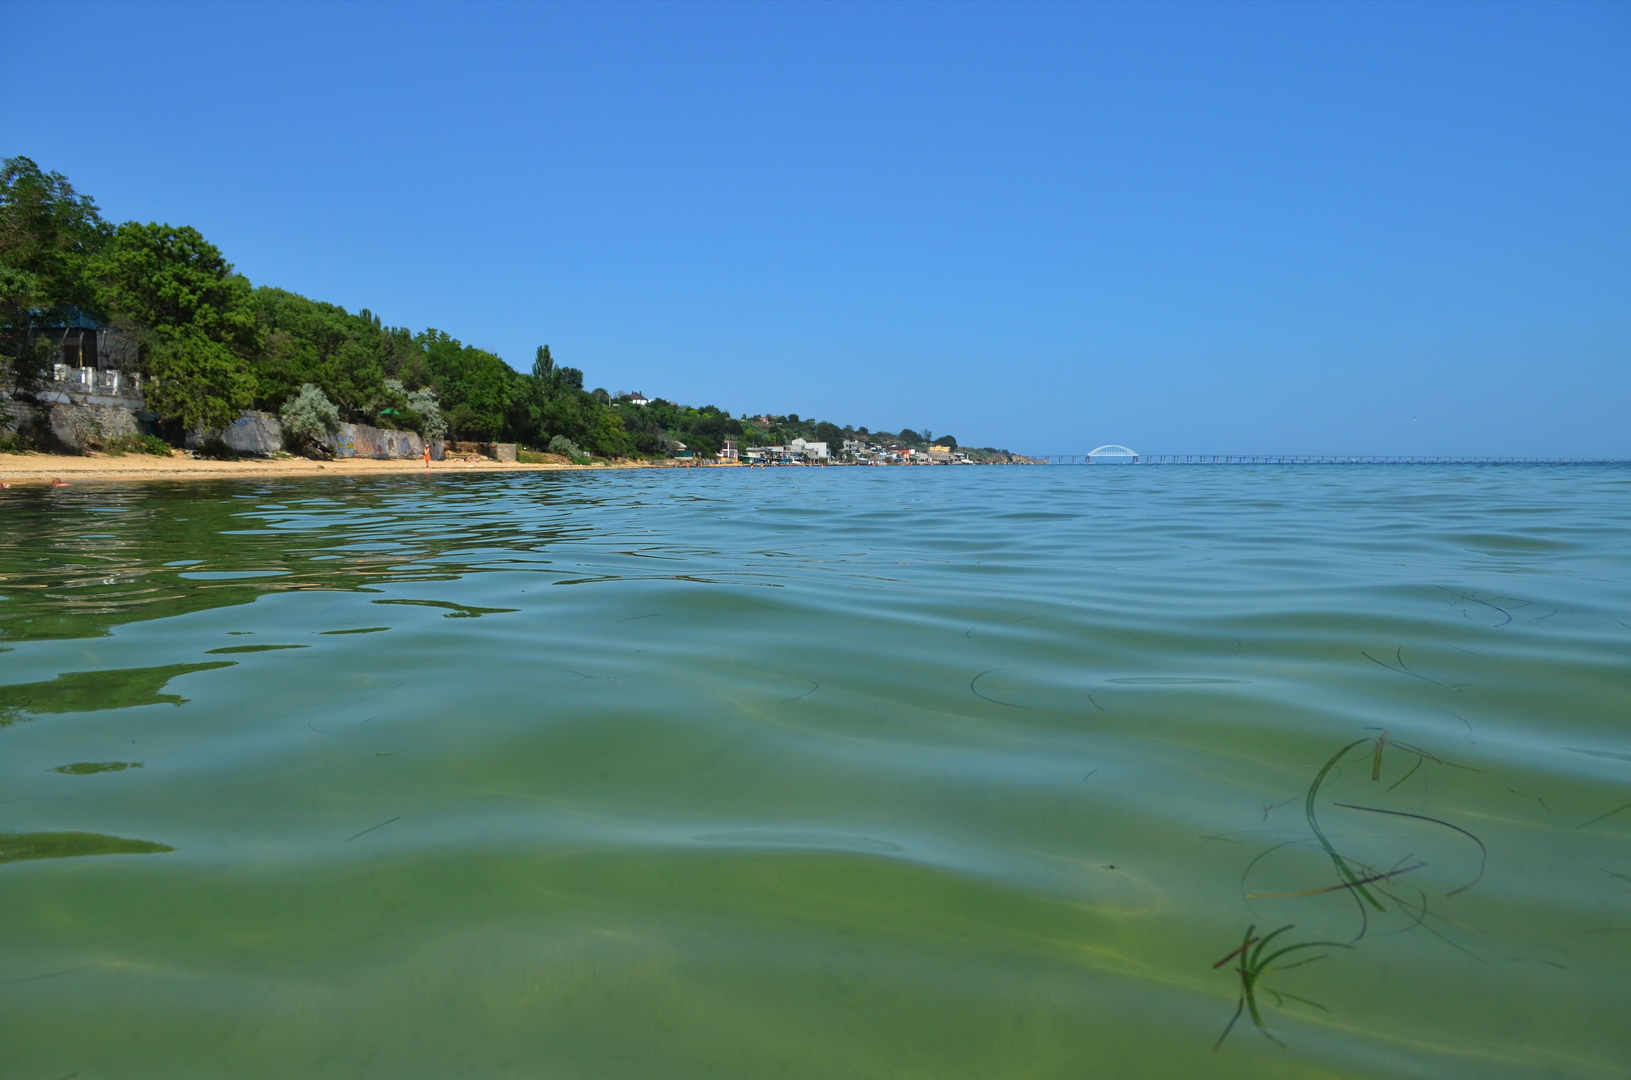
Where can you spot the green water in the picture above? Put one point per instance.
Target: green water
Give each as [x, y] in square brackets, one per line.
[818, 773]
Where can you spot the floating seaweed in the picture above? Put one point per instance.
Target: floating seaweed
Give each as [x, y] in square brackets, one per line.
[1368, 885]
[1344, 867]
[1482, 850]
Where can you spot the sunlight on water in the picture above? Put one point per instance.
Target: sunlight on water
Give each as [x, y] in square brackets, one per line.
[1041, 772]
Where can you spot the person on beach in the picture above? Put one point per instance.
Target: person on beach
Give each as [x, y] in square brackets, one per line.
[427, 456]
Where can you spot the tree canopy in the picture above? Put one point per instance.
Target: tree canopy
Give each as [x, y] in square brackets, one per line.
[47, 232]
[191, 313]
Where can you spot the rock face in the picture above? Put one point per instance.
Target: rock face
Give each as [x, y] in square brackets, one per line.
[261, 433]
[61, 421]
[65, 425]
[253, 433]
[89, 427]
[360, 440]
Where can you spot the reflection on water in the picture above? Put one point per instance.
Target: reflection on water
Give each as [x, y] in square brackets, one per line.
[231, 649]
[16, 847]
[454, 611]
[86, 768]
[820, 773]
[91, 691]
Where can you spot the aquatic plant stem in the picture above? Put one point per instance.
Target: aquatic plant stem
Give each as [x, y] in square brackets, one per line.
[1343, 869]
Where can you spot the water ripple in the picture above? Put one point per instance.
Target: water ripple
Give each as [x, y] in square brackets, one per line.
[815, 772]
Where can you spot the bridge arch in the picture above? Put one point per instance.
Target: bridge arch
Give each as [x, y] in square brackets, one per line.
[1113, 454]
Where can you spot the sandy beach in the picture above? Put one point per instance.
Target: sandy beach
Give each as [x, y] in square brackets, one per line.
[21, 469]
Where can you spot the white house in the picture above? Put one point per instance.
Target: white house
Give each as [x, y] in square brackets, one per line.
[815, 451]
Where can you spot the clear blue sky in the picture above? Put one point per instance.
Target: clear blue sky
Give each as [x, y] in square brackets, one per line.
[1205, 228]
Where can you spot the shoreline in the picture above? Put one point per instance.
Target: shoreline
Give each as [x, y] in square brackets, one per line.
[17, 470]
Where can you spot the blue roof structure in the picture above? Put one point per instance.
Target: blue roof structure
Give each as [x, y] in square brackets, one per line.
[68, 318]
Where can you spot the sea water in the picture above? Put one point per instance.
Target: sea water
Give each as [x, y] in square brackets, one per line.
[932, 772]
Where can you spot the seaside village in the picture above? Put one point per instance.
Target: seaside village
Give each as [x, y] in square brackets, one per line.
[853, 451]
[810, 452]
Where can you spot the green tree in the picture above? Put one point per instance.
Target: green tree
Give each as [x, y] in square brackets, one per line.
[607, 436]
[192, 315]
[323, 344]
[48, 231]
[705, 430]
[477, 389]
[831, 434]
[555, 379]
[22, 362]
[645, 428]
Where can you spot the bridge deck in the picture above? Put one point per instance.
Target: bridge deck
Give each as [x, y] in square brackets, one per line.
[1321, 459]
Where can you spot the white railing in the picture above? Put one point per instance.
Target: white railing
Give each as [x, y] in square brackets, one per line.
[98, 380]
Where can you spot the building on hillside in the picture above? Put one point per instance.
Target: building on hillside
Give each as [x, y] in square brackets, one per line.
[90, 363]
[88, 360]
[637, 398]
[80, 341]
[728, 453]
[940, 455]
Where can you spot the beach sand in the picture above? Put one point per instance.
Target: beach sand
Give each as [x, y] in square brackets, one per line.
[21, 469]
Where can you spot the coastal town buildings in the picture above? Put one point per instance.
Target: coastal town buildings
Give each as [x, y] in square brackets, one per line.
[811, 451]
[852, 451]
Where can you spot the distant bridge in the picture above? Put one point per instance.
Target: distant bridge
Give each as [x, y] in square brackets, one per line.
[1121, 455]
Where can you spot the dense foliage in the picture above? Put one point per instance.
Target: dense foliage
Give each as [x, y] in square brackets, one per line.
[211, 345]
[192, 314]
[48, 231]
[309, 418]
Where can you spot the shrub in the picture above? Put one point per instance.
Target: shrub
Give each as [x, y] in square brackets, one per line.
[309, 418]
[565, 447]
[138, 444]
[423, 401]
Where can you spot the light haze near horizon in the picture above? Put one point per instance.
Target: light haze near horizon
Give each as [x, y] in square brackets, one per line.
[1187, 228]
